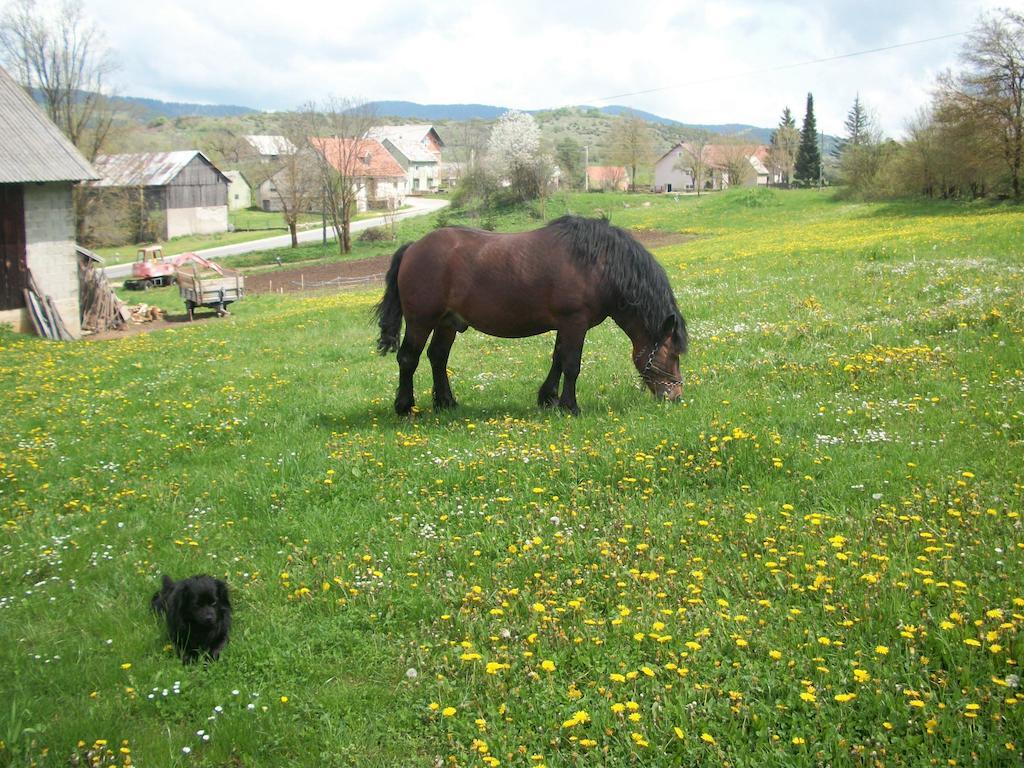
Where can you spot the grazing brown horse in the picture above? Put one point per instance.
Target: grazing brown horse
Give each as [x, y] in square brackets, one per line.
[566, 277]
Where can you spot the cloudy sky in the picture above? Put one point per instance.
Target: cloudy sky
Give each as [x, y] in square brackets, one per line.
[700, 62]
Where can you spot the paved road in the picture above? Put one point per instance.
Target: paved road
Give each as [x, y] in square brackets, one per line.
[418, 207]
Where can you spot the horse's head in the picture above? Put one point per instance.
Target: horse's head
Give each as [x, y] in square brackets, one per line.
[658, 362]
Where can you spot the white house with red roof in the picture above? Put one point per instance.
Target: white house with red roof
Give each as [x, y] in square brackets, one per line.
[381, 182]
[672, 171]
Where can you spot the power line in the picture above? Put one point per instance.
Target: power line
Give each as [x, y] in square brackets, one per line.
[780, 67]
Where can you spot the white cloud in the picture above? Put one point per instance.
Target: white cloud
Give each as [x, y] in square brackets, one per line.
[712, 62]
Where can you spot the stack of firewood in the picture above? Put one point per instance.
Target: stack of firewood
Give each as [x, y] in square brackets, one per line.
[101, 310]
[144, 313]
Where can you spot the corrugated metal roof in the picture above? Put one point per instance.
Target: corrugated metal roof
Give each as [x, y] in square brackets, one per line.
[148, 169]
[410, 140]
[271, 145]
[32, 148]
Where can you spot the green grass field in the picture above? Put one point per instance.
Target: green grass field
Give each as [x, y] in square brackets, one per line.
[815, 559]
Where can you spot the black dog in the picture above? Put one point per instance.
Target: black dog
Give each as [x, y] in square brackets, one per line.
[198, 614]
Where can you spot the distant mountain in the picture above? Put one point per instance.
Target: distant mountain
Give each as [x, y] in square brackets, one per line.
[151, 108]
[410, 110]
[156, 108]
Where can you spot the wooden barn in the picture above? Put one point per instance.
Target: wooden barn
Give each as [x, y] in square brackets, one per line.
[38, 169]
[168, 194]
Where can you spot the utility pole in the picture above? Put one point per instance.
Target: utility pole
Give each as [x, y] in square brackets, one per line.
[586, 167]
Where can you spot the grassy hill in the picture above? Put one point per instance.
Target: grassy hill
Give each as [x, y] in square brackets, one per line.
[461, 126]
[813, 559]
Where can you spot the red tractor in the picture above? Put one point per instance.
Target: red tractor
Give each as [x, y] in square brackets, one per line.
[154, 270]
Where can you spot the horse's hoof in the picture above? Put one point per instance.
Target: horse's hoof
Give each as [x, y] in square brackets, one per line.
[403, 408]
[570, 410]
[547, 401]
[445, 404]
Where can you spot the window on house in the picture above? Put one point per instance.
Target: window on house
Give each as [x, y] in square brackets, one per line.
[415, 183]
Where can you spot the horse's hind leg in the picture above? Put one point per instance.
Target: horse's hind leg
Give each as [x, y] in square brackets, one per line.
[438, 351]
[570, 350]
[547, 397]
[408, 359]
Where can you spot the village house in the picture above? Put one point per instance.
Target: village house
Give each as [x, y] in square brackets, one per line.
[239, 191]
[269, 149]
[380, 181]
[607, 178]
[179, 193]
[672, 171]
[417, 148]
[38, 169]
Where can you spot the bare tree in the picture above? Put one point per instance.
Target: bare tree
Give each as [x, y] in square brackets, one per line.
[783, 147]
[734, 159]
[990, 92]
[337, 132]
[64, 59]
[632, 143]
[694, 159]
[297, 181]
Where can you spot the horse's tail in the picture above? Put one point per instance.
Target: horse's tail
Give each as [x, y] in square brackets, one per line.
[389, 309]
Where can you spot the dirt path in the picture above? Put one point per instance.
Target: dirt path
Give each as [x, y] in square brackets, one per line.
[366, 272]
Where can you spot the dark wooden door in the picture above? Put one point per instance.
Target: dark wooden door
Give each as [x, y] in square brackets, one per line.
[13, 269]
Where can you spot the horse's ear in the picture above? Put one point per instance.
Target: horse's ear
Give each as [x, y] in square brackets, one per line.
[668, 327]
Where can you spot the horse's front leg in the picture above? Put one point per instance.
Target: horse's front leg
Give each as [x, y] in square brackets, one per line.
[570, 350]
[438, 351]
[547, 397]
[408, 359]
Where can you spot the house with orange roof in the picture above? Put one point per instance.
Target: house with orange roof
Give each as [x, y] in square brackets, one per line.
[380, 180]
[607, 178]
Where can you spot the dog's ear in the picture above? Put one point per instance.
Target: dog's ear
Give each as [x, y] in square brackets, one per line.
[222, 595]
[167, 583]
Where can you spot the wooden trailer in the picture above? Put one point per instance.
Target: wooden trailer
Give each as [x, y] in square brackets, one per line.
[214, 288]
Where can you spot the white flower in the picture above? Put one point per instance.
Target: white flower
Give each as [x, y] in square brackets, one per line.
[411, 673]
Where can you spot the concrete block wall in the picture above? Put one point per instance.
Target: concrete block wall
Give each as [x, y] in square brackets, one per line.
[50, 239]
[204, 220]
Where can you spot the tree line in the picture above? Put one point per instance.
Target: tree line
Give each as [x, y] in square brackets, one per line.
[967, 143]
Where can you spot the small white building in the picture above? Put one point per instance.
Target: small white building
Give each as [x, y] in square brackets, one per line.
[670, 174]
[38, 168]
[417, 148]
[239, 191]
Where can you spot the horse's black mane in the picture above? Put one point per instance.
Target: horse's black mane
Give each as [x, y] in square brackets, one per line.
[628, 269]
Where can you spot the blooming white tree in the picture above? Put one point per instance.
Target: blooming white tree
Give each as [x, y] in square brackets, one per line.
[514, 154]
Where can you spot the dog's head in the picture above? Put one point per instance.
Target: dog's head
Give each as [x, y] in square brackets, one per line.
[205, 600]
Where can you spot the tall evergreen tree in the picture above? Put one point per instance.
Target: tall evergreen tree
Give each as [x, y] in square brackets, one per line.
[808, 157]
[857, 123]
[858, 128]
